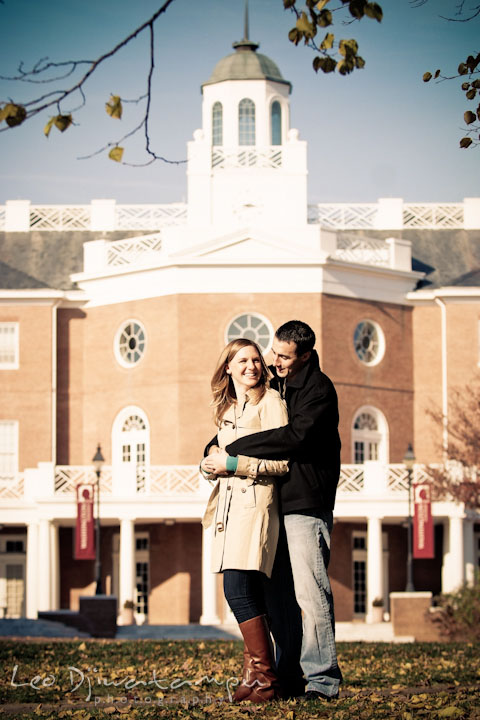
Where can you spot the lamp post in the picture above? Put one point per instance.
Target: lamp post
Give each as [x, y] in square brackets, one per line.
[98, 461]
[409, 460]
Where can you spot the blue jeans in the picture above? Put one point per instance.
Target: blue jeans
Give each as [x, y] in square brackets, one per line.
[308, 539]
[244, 593]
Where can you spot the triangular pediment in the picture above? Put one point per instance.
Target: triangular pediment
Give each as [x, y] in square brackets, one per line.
[244, 245]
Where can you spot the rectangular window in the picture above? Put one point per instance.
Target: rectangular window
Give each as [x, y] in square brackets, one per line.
[8, 449]
[9, 346]
[359, 453]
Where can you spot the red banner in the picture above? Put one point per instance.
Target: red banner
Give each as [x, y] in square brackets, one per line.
[85, 536]
[423, 545]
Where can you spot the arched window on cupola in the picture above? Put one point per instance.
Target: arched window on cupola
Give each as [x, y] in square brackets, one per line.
[369, 436]
[246, 122]
[276, 122]
[217, 124]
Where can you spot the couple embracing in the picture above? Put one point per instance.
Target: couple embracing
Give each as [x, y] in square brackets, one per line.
[276, 463]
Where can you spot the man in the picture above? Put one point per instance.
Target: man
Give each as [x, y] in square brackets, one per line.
[311, 442]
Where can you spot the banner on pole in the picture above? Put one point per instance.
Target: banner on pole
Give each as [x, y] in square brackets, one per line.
[423, 544]
[85, 536]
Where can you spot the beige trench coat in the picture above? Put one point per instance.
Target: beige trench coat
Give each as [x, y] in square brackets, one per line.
[244, 507]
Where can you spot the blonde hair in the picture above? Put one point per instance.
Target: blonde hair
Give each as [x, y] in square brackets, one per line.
[223, 389]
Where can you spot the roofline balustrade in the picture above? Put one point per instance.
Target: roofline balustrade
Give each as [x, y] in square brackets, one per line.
[107, 216]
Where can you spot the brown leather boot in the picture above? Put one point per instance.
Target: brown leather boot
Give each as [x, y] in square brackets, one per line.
[259, 682]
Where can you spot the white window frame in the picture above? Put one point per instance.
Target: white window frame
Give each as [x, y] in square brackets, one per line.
[116, 344]
[381, 343]
[381, 435]
[257, 316]
[11, 477]
[137, 436]
[14, 364]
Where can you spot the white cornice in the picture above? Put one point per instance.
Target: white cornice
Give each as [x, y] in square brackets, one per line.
[452, 294]
[44, 296]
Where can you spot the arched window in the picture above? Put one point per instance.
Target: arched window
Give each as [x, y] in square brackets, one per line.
[217, 124]
[369, 436]
[276, 119]
[246, 122]
[131, 446]
[251, 326]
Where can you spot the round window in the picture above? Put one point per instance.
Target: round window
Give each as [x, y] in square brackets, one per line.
[369, 342]
[252, 327]
[130, 343]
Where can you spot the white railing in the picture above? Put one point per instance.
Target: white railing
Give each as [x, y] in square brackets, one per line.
[134, 250]
[149, 217]
[331, 216]
[60, 217]
[247, 157]
[12, 488]
[155, 480]
[359, 249]
[433, 216]
[397, 477]
[343, 216]
[351, 479]
[67, 477]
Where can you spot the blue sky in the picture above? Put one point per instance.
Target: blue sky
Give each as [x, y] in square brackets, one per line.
[380, 132]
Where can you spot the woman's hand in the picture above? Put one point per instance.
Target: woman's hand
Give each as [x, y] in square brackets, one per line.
[216, 463]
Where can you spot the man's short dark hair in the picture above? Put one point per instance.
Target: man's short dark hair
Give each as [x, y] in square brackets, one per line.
[298, 332]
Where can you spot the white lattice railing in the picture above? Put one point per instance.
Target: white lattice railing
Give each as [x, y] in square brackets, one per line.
[364, 216]
[12, 488]
[149, 217]
[331, 216]
[343, 216]
[155, 480]
[247, 157]
[67, 477]
[433, 216]
[359, 249]
[351, 479]
[134, 251]
[174, 479]
[60, 217]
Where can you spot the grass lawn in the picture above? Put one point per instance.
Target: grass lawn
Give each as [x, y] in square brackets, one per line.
[162, 679]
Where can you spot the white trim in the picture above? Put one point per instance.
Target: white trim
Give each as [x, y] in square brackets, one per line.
[116, 343]
[382, 435]
[261, 317]
[13, 424]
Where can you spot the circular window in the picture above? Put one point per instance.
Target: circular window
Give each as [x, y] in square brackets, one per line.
[369, 342]
[130, 343]
[252, 327]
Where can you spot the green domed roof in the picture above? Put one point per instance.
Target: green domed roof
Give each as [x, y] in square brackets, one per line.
[246, 64]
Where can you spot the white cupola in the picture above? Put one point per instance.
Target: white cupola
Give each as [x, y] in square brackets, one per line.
[245, 165]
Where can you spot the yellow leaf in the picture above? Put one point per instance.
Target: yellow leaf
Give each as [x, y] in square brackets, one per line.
[114, 107]
[450, 712]
[82, 646]
[48, 126]
[116, 154]
[327, 41]
[62, 122]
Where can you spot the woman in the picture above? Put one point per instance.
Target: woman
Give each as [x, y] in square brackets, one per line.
[244, 506]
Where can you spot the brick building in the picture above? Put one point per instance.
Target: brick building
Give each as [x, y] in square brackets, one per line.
[111, 321]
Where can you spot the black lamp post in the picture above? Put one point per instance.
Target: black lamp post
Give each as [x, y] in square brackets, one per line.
[409, 460]
[98, 461]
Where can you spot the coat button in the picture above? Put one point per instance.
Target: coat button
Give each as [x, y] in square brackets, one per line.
[229, 487]
[220, 527]
[244, 489]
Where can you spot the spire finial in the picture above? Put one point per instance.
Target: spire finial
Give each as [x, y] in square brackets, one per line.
[245, 27]
[245, 45]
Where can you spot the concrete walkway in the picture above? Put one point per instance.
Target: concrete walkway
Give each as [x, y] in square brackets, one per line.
[345, 632]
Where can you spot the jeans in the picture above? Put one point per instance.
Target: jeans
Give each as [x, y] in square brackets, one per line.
[244, 593]
[308, 538]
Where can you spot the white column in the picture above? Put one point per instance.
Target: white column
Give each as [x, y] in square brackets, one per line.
[471, 213]
[374, 563]
[44, 566]
[453, 555]
[102, 215]
[32, 571]
[127, 562]
[55, 568]
[469, 550]
[389, 214]
[209, 583]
